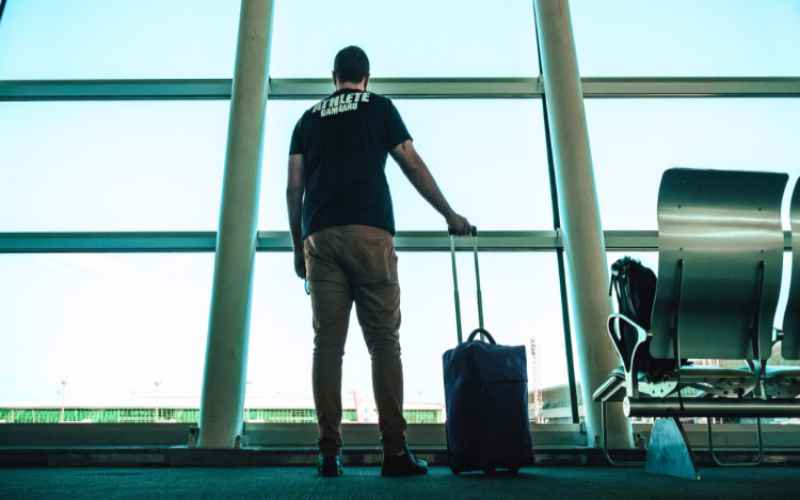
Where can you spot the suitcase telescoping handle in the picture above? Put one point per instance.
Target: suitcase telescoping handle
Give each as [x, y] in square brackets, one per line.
[456, 295]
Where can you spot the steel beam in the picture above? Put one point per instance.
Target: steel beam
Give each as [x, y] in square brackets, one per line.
[280, 241]
[579, 212]
[267, 241]
[438, 241]
[222, 399]
[400, 88]
[279, 89]
[105, 242]
[691, 87]
[114, 90]
[416, 88]
[566, 436]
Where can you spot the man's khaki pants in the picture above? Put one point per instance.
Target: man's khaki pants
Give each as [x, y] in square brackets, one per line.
[347, 264]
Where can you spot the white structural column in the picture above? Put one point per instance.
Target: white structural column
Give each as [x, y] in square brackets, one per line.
[584, 245]
[222, 404]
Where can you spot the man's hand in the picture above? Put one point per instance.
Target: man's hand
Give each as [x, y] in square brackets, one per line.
[300, 264]
[458, 225]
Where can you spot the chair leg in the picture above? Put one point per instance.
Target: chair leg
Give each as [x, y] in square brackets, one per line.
[759, 457]
[668, 452]
[609, 458]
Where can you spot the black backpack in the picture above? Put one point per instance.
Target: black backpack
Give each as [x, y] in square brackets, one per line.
[635, 288]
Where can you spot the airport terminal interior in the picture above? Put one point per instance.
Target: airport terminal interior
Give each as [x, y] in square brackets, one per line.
[631, 169]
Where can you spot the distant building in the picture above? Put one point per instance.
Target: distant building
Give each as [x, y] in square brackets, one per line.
[429, 414]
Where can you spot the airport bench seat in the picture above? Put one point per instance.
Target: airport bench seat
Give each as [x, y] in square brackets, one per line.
[720, 270]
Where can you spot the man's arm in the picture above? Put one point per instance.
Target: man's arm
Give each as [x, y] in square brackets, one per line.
[295, 187]
[420, 176]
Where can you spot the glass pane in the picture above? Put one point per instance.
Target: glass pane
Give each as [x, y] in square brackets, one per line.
[110, 338]
[420, 38]
[687, 37]
[94, 166]
[634, 141]
[488, 156]
[84, 39]
[521, 304]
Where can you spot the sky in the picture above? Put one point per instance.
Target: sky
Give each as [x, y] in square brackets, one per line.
[130, 329]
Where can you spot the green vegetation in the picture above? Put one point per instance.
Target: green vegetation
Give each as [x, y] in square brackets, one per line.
[181, 415]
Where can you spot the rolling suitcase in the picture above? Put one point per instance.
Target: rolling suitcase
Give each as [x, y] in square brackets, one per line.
[486, 395]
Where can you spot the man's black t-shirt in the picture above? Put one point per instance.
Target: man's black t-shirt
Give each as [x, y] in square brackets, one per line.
[344, 140]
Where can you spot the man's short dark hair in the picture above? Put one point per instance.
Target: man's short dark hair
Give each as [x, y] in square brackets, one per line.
[351, 65]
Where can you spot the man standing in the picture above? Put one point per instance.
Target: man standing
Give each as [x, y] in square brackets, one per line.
[342, 224]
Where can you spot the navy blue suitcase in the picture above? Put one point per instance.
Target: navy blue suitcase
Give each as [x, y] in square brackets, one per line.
[486, 395]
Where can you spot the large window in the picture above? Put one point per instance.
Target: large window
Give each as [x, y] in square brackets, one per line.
[111, 166]
[450, 38]
[488, 156]
[634, 141]
[687, 37]
[87, 39]
[103, 331]
[521, 305]
[123, 335]
[120, 337]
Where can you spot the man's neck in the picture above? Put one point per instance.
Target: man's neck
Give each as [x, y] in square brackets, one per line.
[350, 86]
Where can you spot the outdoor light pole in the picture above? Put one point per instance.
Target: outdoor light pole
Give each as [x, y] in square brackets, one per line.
[156, 384]
[222, 400]
[63, 399]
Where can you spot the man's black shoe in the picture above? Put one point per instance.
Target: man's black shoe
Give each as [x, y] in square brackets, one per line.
[403, 465]
[330, 465]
